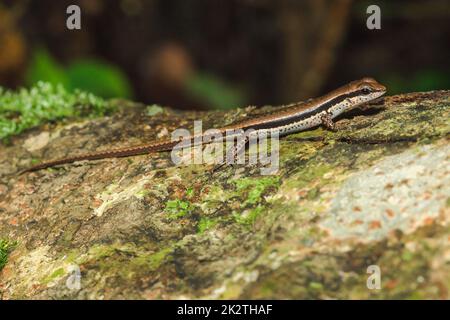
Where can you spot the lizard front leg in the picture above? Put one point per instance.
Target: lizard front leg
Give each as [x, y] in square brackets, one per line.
[327, 122]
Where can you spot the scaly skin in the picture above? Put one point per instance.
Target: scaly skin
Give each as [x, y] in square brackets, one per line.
[292, 118]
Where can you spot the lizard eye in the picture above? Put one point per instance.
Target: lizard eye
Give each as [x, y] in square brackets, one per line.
[365, 90]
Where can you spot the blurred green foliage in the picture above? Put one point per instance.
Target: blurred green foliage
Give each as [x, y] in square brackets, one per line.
[43, 67]
[44, 102]
[424, 80]
[97, 77]
[214, 92]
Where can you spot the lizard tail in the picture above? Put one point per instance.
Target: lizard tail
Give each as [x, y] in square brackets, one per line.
[113, 153]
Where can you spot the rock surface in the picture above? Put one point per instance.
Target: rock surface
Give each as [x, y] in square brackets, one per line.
[373, 196]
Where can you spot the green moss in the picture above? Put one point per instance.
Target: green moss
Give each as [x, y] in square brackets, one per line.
[72, 256]
[255, 188]
[414, 120]
[6, 246]
[205, 224]
[313, 193]
[316, 286]
[102, 251]
[142, 193]
[251, 190]
[44, 102]
[267, 288]
[190, 192]
[407, 256]
[416, 296]
[178, 208]
[214, 195]
[126, 260]
[151, 261]
[250, 217]
[55, 274]
[307, 175]
[308, 134]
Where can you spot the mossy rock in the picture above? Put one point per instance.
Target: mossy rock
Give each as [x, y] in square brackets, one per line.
[374, 193]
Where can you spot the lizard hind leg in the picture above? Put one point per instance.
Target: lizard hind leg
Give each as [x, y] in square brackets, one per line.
[232, 154]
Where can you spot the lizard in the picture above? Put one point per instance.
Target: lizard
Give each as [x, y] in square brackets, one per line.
[289, 119]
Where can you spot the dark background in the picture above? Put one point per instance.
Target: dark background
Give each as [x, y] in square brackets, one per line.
[204, 54]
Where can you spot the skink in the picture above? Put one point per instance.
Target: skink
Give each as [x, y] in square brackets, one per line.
[289, 119]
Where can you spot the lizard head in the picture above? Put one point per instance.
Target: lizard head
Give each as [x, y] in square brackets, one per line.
[354, 94]
[367, 89]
